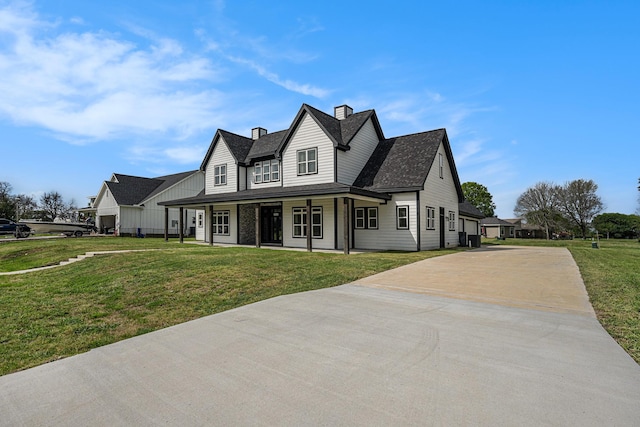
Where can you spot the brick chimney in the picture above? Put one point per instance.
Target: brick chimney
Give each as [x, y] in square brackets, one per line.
[257, 133]
[342, 112]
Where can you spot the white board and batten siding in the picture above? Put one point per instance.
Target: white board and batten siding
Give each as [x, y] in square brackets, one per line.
[439, 192]
[387, 236]
[308, 135]
[327, 240]
[351, 162]
[221, 156]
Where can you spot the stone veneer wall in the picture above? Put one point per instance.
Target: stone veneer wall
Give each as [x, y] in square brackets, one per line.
[247, 224]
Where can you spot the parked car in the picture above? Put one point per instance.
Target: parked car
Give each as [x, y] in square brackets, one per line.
[9, 227]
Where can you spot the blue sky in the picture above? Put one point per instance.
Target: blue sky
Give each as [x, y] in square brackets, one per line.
[528, 91]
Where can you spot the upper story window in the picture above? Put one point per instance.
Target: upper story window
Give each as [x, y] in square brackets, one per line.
[441, 165]
[431, 218]
[402, 217]
[220, 174]
[452, 221]
[308, 161]
[267, 171]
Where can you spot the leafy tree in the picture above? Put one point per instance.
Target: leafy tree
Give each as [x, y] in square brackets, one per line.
[479, 196]
[617, 225]
[7, 203]
[539, 205]
[53, 206]
[579, 203]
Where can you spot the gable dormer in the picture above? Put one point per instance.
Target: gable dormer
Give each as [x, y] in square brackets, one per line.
[224, 162]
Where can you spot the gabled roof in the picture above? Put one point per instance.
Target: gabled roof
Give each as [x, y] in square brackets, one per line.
[494, 220]
[238, 145]
[130, 190]
[403, 163]
[341, 132]
[467, 209]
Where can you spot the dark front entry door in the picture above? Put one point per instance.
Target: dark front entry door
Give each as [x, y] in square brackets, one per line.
[442, 227]
[271, 227]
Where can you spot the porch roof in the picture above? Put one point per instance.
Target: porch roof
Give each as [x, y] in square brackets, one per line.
[279, 193]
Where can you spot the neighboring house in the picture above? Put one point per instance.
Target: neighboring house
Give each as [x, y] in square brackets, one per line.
[498, 228]
[129, 204]
[526, 231]
[330, 182]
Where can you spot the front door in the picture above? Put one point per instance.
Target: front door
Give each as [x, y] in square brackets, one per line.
[271, 227]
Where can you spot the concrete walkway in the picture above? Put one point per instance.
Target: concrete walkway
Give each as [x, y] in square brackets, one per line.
[426, 344]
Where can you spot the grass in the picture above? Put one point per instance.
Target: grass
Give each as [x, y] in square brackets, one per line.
[611, 275]
[64, 311]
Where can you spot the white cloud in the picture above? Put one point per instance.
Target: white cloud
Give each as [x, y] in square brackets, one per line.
[94, 86]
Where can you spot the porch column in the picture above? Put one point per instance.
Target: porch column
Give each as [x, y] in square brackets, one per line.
[309, 230]
[346, 226]
[181, 225]
[166, 224]
[258, 222]
[210, 225]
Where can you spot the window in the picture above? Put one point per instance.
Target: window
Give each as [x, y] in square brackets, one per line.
[267, 171]
[220, 175]
[200, 219]
[452, 221]
[402, 217]
[441, 165]
[220, 222]
[366, 218]
[300, 222]
[431, 218]
[307, 161]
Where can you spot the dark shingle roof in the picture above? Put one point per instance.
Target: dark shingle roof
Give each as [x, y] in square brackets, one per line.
[238, 145]
[401, 163]
[266, 145]
[494, 220]
[467, 209]
[131, 190]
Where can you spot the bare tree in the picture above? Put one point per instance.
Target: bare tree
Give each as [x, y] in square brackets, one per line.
[579, 203]
[53, 206]
[539, 205]
[25, 206]
[7, 202]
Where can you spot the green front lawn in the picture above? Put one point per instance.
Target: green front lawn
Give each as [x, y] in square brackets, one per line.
[63, 311]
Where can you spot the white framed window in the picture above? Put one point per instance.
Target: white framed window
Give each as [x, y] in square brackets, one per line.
[307, 161]
[220, 222]
[402, 217]
[441, 165]
[266, 171]
[220, 174]
[300, 222]
[366, 218]
[452, 221]
[200, 220]
[257, 173]
[431, 218]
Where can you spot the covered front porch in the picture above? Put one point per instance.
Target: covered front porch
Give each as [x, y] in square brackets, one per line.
[307, 217]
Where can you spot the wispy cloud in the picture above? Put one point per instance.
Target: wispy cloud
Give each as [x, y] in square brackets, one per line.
[94, 86]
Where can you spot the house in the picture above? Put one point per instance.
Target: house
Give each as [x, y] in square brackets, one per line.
[526, 231]
[330, 182]
[498, 228]
[129, 205]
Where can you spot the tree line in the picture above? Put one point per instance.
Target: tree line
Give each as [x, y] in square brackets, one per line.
[50, 206]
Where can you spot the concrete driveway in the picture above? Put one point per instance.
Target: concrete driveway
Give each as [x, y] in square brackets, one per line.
[498, 336]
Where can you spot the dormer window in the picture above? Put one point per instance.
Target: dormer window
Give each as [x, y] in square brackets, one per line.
[308, 161]
[220, 174]
[266, 171]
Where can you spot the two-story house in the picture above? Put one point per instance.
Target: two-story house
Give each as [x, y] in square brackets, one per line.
[331, 182]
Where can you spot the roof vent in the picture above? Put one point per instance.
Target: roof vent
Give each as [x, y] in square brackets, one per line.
[342, 112]
[257, 133]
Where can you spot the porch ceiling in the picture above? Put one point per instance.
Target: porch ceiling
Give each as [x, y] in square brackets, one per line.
[324, 191]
